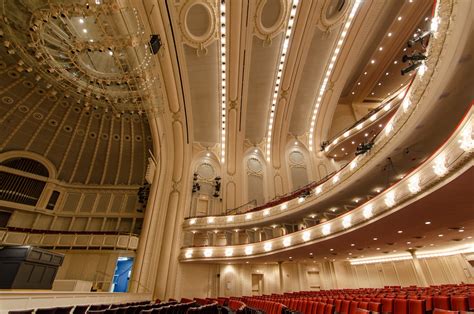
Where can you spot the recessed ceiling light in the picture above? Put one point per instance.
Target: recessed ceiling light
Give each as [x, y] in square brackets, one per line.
[395, 62]
[386, 73]
[353, 93]
[331, 250]
[350, 253]
[461, 230]
[352, 142]
[84, 31]
[408, 242]
[352, 244]
[399, 18]
[389, 34]
[379, 84]
[358, 83]
[375, 239]
[380, 125]
[111, 52]
[373, 93]
[365, 73]
[431, 244]
[380, 48]
[372, 61]
[400, 231]
[427, 222]
[378, 249]
[81, 21]
[440, 235]
[469, 237]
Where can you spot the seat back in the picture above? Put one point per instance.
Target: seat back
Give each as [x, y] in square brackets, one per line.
[345, 307]
[459, 303]
[374, 307]
[441, 302]
[329, 309]
[416, 306]
[400, 306]
[387, 305]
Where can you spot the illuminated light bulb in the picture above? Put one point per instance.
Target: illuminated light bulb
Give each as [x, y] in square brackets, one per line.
[248, 216]
[368, 211]
[284, 206]
[439, 166]
[359, 126]
[326, 229]
[287, 242]
[390, 199]
[248, 250]
[192, 221]
[300, 200]
[210, 220]
[318, 190]
[188, 254]
[414, 184]
[335, 179]
[422, 69]
[347, 221]
[266, 212]
[467, 142]
[353, 165]
[406, 104]
[346, 134]
[229, 252]
[230, 218]
[267, 247]
[434, 24]
[388, 127]
[306, 236]
[373, 117]
[208, 252]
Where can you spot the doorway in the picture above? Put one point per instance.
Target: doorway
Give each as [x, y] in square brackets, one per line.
[257, 284]
[122, 274]
[314, 280]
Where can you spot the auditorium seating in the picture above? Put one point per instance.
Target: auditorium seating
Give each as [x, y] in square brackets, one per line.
[387, 300]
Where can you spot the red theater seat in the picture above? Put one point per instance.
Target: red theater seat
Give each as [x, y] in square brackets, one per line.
[441, 311]
[345, 307]
[416, 306]
[400, 306]
[329, 309]
[353, 307]
[321, 307]
[459, 303]
[441, 302]
[375, 307]
[387, 305]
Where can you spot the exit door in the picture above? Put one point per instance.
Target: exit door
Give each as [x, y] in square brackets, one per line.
[257, 284]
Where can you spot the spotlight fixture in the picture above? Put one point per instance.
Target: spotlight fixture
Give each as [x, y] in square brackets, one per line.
[419, 38]
[411, 67]
[414, 57]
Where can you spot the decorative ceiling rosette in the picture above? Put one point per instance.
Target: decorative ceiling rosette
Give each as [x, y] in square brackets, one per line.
[97, 49]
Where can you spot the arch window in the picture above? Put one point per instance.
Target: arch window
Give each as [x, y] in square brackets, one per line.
[22, 180]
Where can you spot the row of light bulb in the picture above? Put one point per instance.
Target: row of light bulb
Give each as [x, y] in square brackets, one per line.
[438, 166]
[408, 256]
[223, 60]
[286, 41]
[330, 68]
[400, 95]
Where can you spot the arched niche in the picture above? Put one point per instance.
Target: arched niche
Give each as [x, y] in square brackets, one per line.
[255, 180]
[205, 185]
[298, 163]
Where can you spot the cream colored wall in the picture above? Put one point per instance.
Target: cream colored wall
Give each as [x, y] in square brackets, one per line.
[95, 266]
[343, 118]
[212, 280]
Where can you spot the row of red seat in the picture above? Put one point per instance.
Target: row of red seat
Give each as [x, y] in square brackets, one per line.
[306, 306]
[269, 307]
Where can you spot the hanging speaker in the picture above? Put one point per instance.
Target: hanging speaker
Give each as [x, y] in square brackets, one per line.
[155, 43]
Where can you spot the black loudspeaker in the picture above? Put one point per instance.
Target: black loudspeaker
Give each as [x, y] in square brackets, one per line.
[27, 267]
[155, 44]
